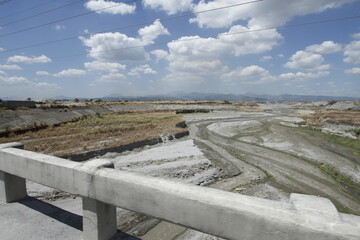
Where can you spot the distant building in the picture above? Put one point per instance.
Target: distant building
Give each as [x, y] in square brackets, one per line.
[17, 104]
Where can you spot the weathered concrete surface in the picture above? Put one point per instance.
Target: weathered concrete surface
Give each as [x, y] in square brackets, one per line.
[203, 209]
[99, 220]
[164, 230]
[12, 188]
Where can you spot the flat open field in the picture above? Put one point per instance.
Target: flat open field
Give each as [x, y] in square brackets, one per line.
[99, 131]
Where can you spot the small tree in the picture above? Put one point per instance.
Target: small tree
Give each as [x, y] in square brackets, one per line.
[28, 99]
[77, 100]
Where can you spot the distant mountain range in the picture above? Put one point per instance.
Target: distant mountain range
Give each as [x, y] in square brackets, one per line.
[247, 97]
[196, 96]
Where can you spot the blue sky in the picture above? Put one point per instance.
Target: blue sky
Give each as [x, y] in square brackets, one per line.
[217, 51]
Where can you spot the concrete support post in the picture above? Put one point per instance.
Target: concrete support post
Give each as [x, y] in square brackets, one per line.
[99, 219]
[12, 188]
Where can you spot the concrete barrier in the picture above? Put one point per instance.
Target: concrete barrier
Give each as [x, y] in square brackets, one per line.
[224, 214]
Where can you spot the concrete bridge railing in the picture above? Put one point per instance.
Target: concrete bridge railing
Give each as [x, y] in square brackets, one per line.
[224, 214]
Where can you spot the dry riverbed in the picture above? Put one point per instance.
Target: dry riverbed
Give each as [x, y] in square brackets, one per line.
[267, 153]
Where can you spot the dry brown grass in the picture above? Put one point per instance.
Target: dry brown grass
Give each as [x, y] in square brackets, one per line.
[332, 116]
[249, 109]
[180, 102]
[97, 132]
[314, 108]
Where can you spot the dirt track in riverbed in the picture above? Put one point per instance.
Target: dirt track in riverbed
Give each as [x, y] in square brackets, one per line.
[276, 160]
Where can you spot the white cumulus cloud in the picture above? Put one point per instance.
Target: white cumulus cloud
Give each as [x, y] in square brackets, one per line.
[9, 81]
[149, 33]
[269, 13]
[199, 58]
[47, 85]
[110, 7]
[117, 47]
[10, 67]
[159, 54]
[355, 35]
[265, 58]
[110, 78]
[352, 53]
[142, 69]
[170, 6]
[252, 75]
[301, 76]
[307, 61]
[325, 48]
[104, 66]
[72, 72]
[237, 44]
[353, 71]
[29, 60]
[42, 73]
[244, 42]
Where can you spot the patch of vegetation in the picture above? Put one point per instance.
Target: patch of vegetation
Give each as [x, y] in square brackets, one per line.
[354, 144]
[350, 187]
[343, 209]
[345, 181]
[54, 106]
[357, 132]
[179, 234]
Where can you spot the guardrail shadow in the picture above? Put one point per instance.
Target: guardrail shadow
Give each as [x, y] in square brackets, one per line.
[71, 219]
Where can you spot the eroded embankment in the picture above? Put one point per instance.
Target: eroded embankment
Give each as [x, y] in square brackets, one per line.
[22, 120]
